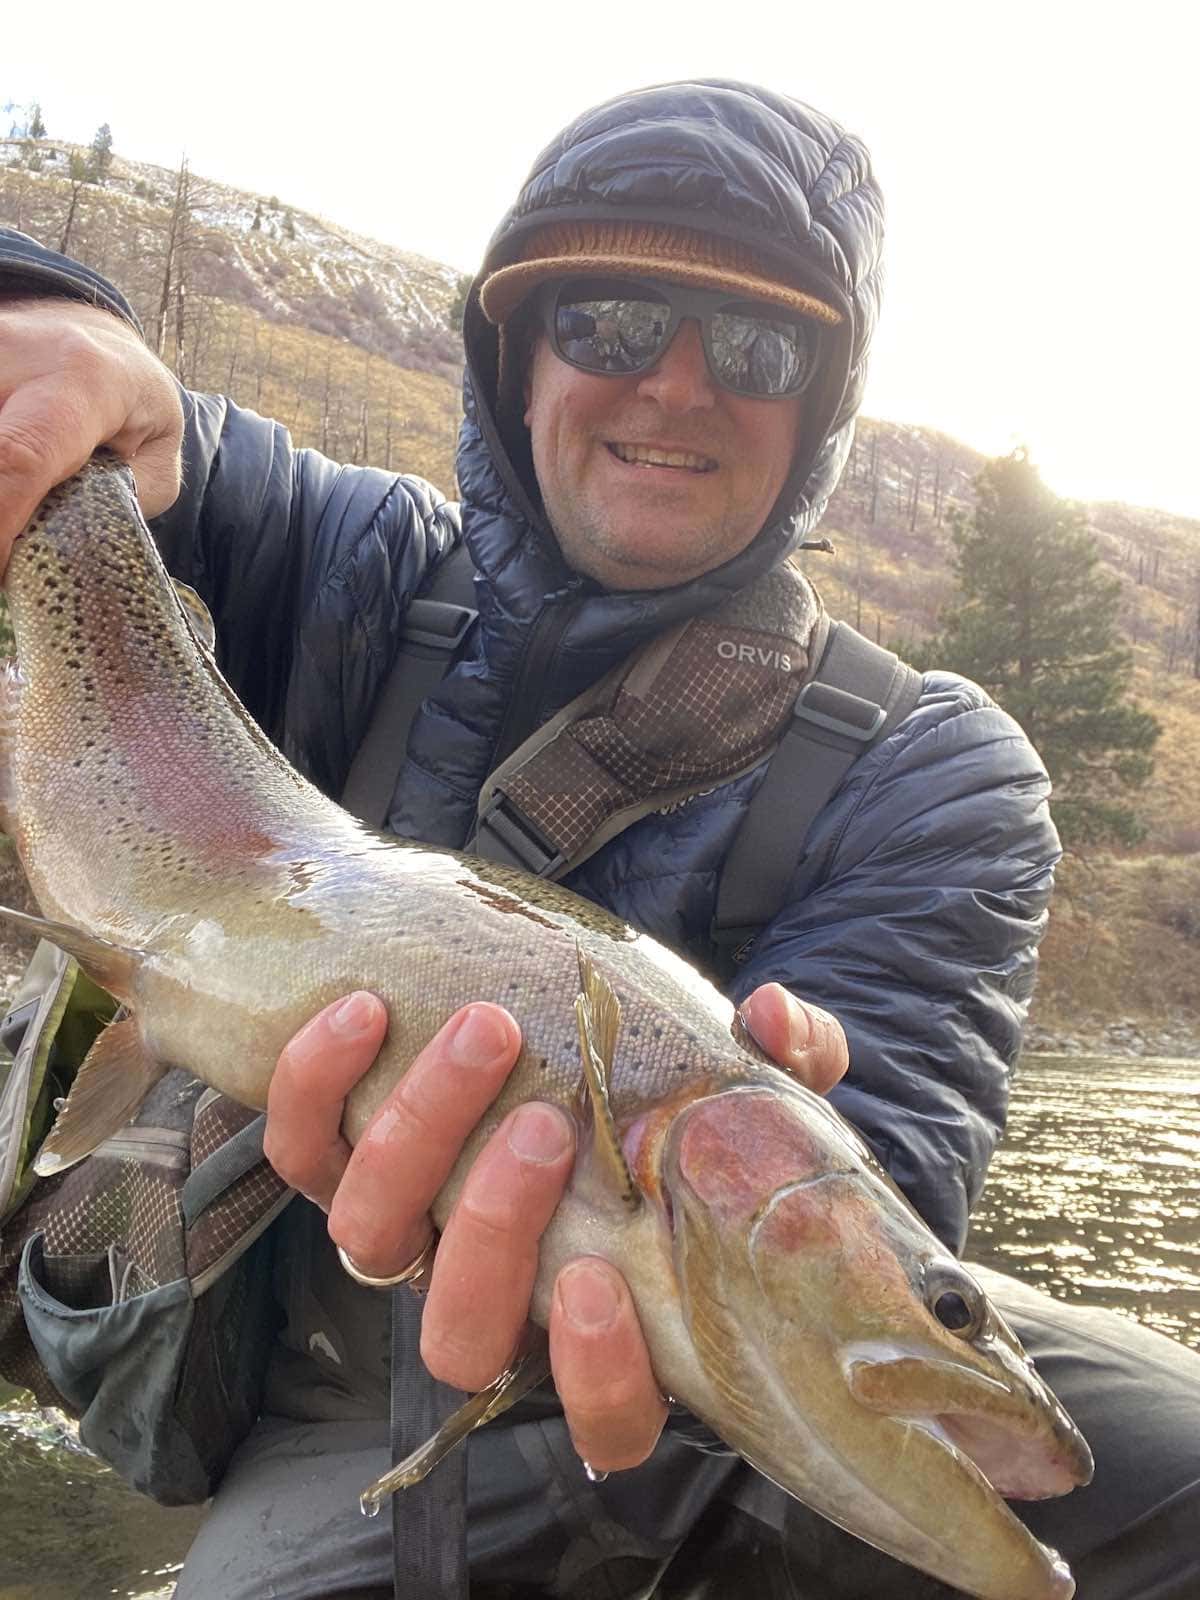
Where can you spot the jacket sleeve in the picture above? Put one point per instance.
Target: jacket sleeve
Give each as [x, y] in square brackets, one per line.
[915, 920]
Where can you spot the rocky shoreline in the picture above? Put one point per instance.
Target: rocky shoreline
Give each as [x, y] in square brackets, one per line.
[1121, 1036]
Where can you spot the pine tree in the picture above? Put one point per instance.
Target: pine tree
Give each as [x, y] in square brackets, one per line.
[37, 126]
[99, 158]
[1037, 626]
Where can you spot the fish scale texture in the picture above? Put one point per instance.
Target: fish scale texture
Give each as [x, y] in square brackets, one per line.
[916, 913]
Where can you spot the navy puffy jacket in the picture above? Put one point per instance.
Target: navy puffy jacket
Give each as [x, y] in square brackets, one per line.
[916, 913]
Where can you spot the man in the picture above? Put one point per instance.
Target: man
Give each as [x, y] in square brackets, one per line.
[730, 238]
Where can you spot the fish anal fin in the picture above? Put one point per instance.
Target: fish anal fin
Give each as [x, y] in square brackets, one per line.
[117, 1074]
[527, 1369]
[113, 966]
[598, 1014]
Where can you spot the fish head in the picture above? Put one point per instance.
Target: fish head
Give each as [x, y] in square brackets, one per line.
[849, 1356]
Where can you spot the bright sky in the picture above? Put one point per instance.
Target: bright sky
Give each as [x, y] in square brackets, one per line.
[1039, 159]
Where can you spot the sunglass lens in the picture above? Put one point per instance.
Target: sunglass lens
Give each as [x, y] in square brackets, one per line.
[611, 335]
[759, 356]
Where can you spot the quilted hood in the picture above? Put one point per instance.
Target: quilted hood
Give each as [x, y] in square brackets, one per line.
[730, 159]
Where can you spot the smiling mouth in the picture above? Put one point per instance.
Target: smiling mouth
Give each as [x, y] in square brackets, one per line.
[637, 455]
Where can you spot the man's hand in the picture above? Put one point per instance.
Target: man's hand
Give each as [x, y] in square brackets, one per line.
[74, 377]
[378, 1197]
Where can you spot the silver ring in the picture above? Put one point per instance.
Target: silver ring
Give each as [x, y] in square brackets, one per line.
[409, 1274]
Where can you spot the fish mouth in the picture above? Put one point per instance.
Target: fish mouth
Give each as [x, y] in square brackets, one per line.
[1019, 1456]
[1015, 1466]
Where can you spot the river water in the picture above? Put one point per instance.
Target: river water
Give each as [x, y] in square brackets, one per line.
[1094, 1196]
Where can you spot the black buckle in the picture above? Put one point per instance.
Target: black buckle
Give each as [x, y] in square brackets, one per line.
[734, 943]
[839, 711]
[507, 835]
[436, 625]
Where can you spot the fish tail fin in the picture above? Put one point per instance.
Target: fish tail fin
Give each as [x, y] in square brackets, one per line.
[117, 1074]
[113, 966]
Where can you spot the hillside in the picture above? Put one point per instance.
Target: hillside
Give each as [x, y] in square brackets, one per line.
[343, 338]
[348, 342]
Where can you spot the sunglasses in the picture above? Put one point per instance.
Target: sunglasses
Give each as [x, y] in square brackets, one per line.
[620, 327]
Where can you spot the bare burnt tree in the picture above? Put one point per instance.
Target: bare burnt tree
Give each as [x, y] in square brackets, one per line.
[235, 350]
[264, 362]
[172, 321]
[78, 182]
[301, 391]
[326, 391]
[914, 498]
[387, 429]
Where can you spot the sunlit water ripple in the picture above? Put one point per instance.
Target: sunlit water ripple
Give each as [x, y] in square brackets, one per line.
[1094, 1196]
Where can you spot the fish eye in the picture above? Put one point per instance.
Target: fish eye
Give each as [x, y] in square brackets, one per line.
[955, 1299]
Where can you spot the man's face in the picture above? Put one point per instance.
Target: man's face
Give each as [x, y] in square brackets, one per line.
[634, 523]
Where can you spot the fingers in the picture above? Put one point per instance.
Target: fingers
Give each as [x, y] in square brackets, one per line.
[306, 1098]
[602, 1367]
[42, 441]
[487, 1257]
[379, 1212]
[378, 1197]
[802, 1038]
[73, 377]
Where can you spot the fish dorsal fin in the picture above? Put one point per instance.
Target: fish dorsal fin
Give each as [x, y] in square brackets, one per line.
[117, 1074]
[598, 1013]
[199, 617]
[113, 966]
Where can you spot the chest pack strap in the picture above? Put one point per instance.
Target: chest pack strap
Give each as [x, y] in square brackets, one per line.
[435, 626]
[429, 1540]
[857, 695]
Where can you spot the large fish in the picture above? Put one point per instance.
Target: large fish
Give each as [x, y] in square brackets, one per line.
[789, 1295]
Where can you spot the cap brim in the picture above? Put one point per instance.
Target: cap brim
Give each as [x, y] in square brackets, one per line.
[504, 290]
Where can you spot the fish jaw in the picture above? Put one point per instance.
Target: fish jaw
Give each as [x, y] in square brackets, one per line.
[803, 1283]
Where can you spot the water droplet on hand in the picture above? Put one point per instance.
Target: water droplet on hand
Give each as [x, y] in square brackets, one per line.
[592, 1475]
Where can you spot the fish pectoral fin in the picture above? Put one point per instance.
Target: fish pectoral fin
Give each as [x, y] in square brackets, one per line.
[117, 1074]
[529, 1367]
[598, 1013]
[112, 966]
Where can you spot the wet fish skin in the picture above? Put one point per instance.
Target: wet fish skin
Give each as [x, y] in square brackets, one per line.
[766, 1245]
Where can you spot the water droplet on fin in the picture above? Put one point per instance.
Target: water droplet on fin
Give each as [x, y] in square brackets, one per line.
[592, 1475]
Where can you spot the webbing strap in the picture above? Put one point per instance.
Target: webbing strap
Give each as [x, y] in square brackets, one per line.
[221, 1170]
[429, 1521]
[434, 628]
[857, 695]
